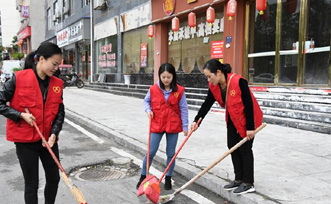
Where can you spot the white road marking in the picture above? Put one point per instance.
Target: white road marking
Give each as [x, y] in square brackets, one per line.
[87, 133]
[188, 193]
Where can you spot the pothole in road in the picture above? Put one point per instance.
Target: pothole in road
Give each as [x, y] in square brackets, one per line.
[109, 170]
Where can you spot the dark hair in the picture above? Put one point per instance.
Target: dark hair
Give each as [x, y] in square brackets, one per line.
[46, 49]
[171, 69]
[213, 65]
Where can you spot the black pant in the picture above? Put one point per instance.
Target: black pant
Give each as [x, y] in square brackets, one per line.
[242, 158]
[28, 155]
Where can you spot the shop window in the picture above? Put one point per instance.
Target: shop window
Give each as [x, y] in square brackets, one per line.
[261, 45]
[189, 50]
[317, 54]
[135, 57]
[106, 55]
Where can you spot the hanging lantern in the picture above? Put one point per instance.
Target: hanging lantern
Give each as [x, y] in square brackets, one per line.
[210, 15]
[150, 31]
[231, 9]
[291, 6]
[192, 20]
[175, 24]
[261, 5]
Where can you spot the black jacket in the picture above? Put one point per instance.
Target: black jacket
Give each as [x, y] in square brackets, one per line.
[8, 92]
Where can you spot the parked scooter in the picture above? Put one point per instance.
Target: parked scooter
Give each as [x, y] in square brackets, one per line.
[72, 80]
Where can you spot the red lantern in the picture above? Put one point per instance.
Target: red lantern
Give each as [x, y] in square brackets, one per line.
[210, 15]
[291, 6]
[175, 24]
[261, 5]
[150, 31]
[192, 20]
[231, 9]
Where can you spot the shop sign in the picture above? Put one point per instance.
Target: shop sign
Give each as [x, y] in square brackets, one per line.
[106, 58]
[70, 34]
[25, 11]
[191, 1]
[169, 6]
[24, 33]
[143, 55]
[201, 30]
[216, 49]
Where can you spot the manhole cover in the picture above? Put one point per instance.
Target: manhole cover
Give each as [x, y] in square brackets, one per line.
[100, 174]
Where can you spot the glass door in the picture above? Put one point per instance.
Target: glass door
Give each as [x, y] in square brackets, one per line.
[317, 43]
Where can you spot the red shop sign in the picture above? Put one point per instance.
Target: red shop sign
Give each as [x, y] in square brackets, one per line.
[169, 7]
[24, 33]
[217, 49]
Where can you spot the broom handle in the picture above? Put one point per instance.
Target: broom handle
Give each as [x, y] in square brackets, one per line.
[148, 145]
[174, 157]
[47, 145]
[217, 161]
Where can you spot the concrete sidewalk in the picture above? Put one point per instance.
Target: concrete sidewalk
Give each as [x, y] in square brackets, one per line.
[291, 166]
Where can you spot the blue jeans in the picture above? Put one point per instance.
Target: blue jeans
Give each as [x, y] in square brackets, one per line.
[154, 146]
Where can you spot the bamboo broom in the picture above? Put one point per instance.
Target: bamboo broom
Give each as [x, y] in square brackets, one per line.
[74, 190]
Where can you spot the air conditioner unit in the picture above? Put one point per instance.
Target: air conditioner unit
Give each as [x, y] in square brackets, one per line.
[100, 4]
[66, 10]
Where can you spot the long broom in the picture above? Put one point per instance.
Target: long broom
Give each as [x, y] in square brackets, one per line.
[149, 178]
[74, 190]
[167, 198]
[152, 192]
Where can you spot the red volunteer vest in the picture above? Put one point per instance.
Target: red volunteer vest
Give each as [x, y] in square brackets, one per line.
[235, 106]
[167, 116]
[28, 95]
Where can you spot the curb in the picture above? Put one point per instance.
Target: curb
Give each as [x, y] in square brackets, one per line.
[208, 181]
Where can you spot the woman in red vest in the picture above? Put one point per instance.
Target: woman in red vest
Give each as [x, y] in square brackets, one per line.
[37, 89]
[165, 103]
[243, 116]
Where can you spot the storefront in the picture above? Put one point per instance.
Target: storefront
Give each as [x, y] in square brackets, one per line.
[75, 43]
[288, 45]
[24, 40]
[123, 47]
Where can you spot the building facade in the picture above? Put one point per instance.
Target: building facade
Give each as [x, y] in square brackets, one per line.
[33, 21]
[122, 46]
[289, 45]
[68, 25]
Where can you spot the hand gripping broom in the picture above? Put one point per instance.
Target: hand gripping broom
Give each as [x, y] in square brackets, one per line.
[152, 191]
[167, 198]
[74, 190]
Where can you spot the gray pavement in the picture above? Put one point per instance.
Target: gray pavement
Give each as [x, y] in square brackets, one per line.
[292, 166]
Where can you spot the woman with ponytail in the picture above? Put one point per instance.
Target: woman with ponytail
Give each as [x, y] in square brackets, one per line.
[243, 116]
[36, 89]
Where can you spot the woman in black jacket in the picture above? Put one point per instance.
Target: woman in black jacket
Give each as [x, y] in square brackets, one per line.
[35, 88]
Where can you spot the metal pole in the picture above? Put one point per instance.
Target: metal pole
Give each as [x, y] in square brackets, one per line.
[92, 39]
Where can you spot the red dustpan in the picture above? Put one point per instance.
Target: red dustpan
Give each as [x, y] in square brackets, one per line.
[152, 187]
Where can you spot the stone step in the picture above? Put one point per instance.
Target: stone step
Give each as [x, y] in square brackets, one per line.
[299, 124]
[303, 106]
[305, 98]
[297, 114]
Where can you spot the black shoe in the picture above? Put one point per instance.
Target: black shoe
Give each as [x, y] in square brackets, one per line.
[244, 188]
[167, 185]
[142, 177]
[232, 185]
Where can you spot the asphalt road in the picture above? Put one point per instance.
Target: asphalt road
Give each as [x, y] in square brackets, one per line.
[77, 151]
